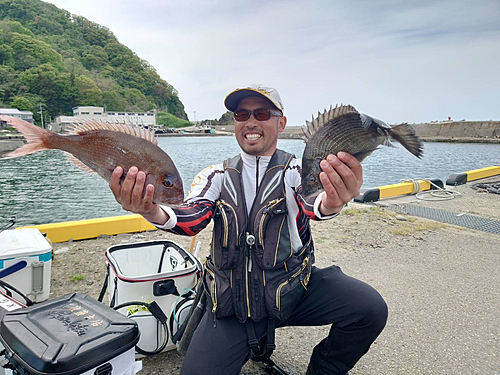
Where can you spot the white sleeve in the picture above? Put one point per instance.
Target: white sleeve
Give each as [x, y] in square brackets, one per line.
[205, 186]
[317, 212]
[171, 222]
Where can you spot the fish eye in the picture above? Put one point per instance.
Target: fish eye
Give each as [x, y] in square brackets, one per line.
[167, 181]
[312, 179]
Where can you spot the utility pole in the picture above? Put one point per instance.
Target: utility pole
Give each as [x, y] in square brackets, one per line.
[41, 116]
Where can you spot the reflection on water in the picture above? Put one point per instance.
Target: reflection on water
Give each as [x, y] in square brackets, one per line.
[45, 187]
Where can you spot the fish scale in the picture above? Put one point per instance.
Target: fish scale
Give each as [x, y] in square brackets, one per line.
[332, 139]
[343, 128]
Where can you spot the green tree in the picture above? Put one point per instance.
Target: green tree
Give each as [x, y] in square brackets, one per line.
[21, 103]
[30, 52]
[136, 100]
[94, 57]
[114, 101]
[87, 92]
[49, 51]
[226, 118]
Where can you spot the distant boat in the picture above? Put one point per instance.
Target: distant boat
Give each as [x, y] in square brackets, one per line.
[205, 129]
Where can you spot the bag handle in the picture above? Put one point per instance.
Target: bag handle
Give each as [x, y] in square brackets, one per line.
[8, 289]
[158, 313]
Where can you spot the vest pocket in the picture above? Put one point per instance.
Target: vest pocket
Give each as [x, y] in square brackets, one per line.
[284, 292]
[225, 249]
[218, 285]
[271, 228]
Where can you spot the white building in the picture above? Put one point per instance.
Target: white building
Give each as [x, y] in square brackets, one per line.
[140, 119]
[14, 112]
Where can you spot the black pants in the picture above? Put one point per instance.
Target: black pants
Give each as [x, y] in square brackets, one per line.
[356, 311]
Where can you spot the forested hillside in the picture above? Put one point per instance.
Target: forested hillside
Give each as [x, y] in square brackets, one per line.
[51, 57]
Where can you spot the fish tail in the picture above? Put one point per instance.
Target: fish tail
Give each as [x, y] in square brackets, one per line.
[406, 135]
[38, 139]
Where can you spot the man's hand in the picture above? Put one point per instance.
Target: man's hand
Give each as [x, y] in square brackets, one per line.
[129, 195]
[341, 178]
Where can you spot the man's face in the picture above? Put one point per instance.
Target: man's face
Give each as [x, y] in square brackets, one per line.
[258, 137]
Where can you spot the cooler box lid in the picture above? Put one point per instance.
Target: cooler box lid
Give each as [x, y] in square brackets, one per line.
[65, 336]
[22, 242]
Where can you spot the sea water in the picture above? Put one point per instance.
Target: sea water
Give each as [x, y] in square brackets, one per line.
[46, 188]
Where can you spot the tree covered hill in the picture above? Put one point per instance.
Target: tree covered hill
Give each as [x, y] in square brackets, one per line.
[51, 57]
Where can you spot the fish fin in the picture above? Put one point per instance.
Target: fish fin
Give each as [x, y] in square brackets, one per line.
[388, 143]
[89, 125]
[363, 155]
[325, 117]
[79, 164]
[34, 135]
[405, 134]
[369, 121]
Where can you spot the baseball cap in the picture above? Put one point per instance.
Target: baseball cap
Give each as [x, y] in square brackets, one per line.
[235, 97]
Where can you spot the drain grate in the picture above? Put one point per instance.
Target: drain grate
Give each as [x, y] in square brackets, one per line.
[462, 220]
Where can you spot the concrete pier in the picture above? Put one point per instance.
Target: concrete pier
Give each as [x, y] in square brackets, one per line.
[440, 282]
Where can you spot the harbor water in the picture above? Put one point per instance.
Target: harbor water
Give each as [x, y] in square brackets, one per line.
[46, 188]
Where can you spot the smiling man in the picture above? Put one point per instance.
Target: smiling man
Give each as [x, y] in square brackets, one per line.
[260, 273]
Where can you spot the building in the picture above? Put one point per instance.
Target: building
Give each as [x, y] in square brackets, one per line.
[141, 119]
[14, 112]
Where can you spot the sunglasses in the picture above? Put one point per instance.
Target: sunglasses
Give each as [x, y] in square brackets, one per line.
[260, 114]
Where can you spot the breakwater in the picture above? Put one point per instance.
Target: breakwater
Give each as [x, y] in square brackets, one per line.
[459, 131]
[449, 131]
[446, 131]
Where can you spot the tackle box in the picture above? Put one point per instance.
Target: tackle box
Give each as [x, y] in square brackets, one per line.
[26, 261]
[73, 334]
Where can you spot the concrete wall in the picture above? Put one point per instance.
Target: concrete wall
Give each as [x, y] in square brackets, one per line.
[469, 131]
[459, 129]
[10, 145]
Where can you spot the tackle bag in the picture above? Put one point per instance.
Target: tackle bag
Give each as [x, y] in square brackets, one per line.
[70, 335]
[152, 283]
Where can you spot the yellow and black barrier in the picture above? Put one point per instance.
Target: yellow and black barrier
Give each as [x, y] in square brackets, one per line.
[403, 188]
[476, 174]
[92, 228]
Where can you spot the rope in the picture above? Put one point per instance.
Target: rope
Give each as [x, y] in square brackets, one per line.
[439, 194]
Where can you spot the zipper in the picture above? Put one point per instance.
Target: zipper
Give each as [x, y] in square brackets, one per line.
[266, 209]
[213, 293]
[289, 280]
[257, 158]
[247, 290]
[305, 282]
[224, 219]
[221, 203]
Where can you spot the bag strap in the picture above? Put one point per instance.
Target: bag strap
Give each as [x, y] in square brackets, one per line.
[260, 354]
[105, 285]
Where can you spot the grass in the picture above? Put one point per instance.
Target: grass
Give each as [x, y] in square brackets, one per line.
[408, 228]
[401, 228]
[76, 278]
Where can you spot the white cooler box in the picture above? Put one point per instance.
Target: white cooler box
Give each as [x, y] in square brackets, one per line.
[154, 271]
[26, 261]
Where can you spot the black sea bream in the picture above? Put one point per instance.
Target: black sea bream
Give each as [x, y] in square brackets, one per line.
[343, 128]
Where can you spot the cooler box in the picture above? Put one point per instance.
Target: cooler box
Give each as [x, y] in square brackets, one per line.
[70, 335]
[26, 261]
[159, 271]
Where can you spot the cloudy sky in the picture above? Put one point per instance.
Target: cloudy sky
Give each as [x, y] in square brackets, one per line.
[400, 61]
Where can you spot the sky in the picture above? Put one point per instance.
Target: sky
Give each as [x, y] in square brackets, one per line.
[399, 61]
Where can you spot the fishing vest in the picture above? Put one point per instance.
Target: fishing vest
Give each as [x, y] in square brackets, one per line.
[252, 270]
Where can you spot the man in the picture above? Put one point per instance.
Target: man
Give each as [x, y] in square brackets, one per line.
[260, 271]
